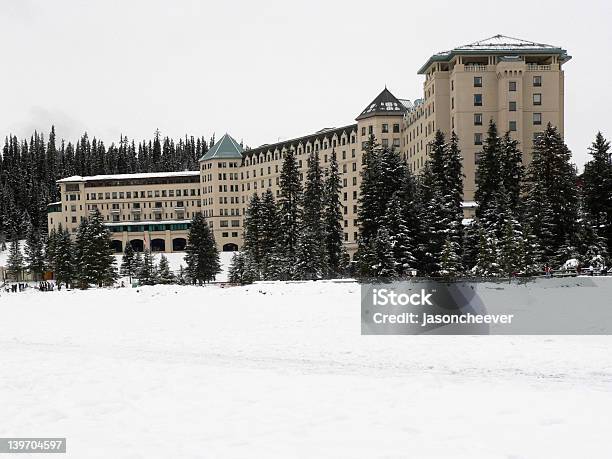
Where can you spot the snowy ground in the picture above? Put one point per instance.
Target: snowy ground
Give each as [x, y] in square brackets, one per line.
[281, 370]
[177, 259]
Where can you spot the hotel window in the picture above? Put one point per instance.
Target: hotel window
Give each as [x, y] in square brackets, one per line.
[477, 119]
[537, 99]
[370, 129]
[396, 143]
[452, 103]
[512, 126]
[385, 142]
[478, 82]
[385, 128]
[537, 118]
[512, 86]
[512, 106]
[477, 100]
[537, 80]
[478, 138]
[396, 128]
[363, 131]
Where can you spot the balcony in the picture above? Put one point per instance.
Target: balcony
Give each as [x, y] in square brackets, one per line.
[538, 68]
[135, 210]
[115, 210]
[475, 68]
[158, 210]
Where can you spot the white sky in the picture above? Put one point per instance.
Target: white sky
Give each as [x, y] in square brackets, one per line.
[266, 70]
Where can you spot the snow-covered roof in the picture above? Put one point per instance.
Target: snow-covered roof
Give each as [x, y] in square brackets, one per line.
[498, 44]
[384, 104]
[79, 178]
[502, 42]
[469, 204]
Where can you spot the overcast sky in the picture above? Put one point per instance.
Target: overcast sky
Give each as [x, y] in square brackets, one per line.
[265, 71]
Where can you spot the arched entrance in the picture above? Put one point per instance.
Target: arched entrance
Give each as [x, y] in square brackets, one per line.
[137, 245]
[117, 246]
[179, 244]
[230, 247]
[158, 245]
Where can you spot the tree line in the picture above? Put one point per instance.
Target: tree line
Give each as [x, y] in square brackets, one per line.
[30, 168]
[88, 260]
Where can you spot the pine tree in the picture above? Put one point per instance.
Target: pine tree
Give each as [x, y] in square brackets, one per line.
[310, 252]
[370, 207]
[94, 256]
[597, 187]
[147, 274]
[128, 262]
[252, 233]
[63, 257]
[551, 193]
[488, 174]
[487, 262]
[269, 237]
[332, 218]
[201, 256]
[385, 265]
[512, 256]
[15, 263]
[238, 273]
[34, 253]
[450, 260]
[290, 215]
[164, 275]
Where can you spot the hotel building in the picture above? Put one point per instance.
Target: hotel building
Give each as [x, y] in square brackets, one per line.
[516, 83]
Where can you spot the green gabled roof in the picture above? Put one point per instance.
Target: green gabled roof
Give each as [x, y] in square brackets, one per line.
[225, 148]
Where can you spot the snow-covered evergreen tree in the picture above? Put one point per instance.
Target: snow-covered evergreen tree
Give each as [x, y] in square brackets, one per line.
[34, 253]
[597, 188]
[164, 274]
[335, 253]
[128, 262]
[201, 256]
[269, 242]
[94, 256]
[253, 222]
[487, 262]
[147, 274]
[63, 258]
[310, 250]
[551, 193]
[15, 262]
[290, 215]
[450, 260]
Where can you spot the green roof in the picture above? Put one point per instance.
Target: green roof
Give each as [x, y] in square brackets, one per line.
[225, 148]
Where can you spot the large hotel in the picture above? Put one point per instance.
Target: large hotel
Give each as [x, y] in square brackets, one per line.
[516, 83]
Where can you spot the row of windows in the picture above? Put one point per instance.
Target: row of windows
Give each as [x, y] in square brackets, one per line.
[536, 98]
[537, 119]
[141, 194]
[384, 128]
[274, 157]
[536, 81]
[479, 136]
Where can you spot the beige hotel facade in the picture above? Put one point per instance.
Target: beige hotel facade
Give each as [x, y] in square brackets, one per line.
[516, 83]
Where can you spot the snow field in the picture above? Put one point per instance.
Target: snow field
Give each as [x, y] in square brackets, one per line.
[281, 370]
